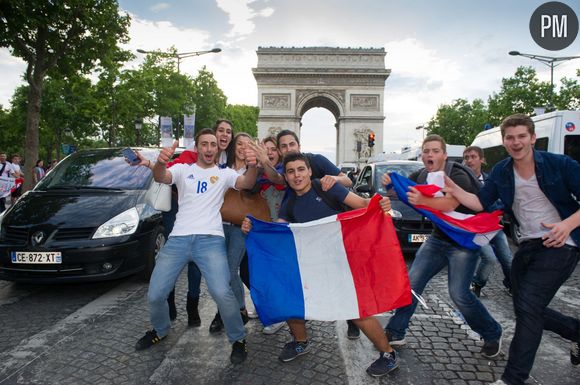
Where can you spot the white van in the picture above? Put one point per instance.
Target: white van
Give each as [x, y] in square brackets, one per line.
[557, 132]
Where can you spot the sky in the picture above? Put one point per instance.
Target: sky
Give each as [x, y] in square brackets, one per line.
[437, 51]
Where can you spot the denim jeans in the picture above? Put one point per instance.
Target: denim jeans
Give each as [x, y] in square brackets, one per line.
[431, 258]
[209, 254]
[236, 248]
[537, 274]
[193, 273]
[499, 249]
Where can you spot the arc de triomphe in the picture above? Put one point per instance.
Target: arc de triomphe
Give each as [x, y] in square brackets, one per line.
[349, 82]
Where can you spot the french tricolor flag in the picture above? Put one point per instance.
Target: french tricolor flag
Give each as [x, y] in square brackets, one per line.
[469, 231]
[346, 266]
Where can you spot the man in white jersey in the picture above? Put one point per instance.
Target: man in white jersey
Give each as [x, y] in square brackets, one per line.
[541, 190]
[197, 236]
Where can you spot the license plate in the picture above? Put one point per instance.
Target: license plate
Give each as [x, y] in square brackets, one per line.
[36, 257]
[418, 238]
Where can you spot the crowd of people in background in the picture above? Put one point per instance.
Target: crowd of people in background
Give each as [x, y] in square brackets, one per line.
[11, 188]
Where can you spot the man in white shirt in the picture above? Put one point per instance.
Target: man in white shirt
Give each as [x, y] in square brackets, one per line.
[198, 237]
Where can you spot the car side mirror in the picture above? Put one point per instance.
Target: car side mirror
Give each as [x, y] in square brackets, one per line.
[364, 188]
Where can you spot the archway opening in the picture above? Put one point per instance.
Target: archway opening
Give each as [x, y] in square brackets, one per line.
[318, 133]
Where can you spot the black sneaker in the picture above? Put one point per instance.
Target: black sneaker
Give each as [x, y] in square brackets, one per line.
[395, 340]
[476, 289]
[293, 350]
[217, 324]
[575, 354]
[353, 332]
[239, 352]
[149, 339]
[172, 308]
[245, 317]
[385, 364]
[491, 348]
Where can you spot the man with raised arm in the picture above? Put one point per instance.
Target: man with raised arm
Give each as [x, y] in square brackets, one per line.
[440, 251]
[198, 236]
[541, 190]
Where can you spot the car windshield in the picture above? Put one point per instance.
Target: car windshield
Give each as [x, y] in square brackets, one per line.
[403, 169]
[97, 169]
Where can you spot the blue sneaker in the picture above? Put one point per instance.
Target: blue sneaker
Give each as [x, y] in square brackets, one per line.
[293, 350]
[385, 364]
[393, 339]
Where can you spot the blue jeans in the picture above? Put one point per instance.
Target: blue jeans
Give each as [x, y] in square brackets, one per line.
[537, 274]
[499, 249]
[236, 247]
[193, 273]
[209, 254]
[431, 258]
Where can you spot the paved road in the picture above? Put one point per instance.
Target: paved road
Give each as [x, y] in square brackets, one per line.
[85, 334]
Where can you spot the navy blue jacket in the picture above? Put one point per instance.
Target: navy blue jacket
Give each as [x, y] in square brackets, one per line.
[558, 177]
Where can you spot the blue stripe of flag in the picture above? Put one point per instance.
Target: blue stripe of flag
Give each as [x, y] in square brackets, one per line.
[462, 237]
[275, 299]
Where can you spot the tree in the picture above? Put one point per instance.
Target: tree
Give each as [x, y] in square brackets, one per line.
[209, 99]
[459, 122]
[60, 38]
[244, 118]
[519, 94]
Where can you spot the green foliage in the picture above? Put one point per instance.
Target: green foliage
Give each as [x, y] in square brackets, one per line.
[209, 99]
[245, 118]
[60, 38]
[460, 121]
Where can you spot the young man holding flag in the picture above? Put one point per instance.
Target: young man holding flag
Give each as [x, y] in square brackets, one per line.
[439, 251]
[541, 190]
[306, 203]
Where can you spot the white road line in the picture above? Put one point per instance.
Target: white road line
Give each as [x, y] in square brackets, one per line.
[32, 348]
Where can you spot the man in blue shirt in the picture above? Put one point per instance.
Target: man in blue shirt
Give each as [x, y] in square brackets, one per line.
[540, 189]
[308, 204]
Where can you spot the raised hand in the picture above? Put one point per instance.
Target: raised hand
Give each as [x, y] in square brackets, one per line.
[166, 153]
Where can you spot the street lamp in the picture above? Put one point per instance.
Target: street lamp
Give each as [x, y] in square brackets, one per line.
[180, 55]
[550, 61]
[421, 127]
[138, 127]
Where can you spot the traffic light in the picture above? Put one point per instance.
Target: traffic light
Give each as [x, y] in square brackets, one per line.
[371, 139]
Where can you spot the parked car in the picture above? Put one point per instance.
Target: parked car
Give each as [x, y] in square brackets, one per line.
[412, 228]
[87, 220]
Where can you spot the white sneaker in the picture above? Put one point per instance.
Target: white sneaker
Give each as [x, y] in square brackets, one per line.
[252, 314]
[498, 382]
[272, 329]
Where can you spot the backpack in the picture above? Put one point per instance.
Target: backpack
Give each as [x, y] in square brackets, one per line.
[330, 200]
[449, 165]
[316, 171]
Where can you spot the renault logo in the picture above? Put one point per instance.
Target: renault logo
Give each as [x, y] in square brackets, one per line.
[37, 238]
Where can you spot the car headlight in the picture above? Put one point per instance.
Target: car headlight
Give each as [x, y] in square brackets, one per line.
[396, 214]
[123, 224]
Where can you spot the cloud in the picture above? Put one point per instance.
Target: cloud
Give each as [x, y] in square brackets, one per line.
[240, 16]
[160, 7]
[12, 68]
[152, 36]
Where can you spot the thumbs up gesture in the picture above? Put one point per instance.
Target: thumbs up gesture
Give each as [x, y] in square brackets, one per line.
[167, 153]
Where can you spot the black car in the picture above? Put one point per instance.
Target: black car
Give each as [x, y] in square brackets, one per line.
[87, 220]
[412, 228]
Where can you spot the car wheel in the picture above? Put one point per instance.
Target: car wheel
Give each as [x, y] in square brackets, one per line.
[157, 243]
